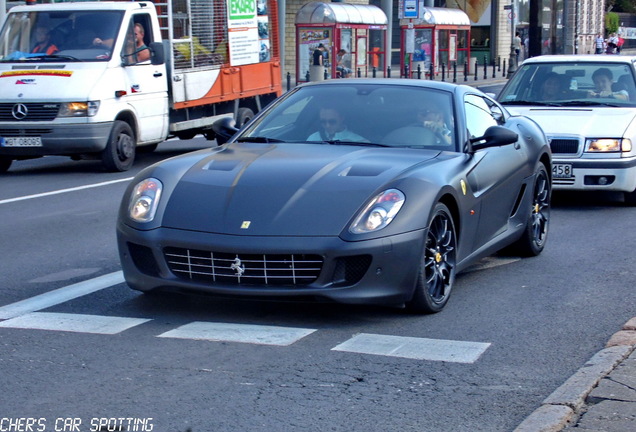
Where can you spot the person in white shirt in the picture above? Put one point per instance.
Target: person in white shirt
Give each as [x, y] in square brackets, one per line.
[334, 127]
[603, 80]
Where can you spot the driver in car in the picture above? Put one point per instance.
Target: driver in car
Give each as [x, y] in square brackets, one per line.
[334, 127]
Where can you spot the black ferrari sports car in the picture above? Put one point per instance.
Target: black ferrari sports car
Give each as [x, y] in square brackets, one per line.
[373, 191]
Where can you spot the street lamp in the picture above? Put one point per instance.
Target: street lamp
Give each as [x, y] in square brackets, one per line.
[512, 63]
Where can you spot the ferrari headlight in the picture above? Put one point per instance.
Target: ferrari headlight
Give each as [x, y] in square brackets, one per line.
[79, 109]
[144, 200]
[379, 212]
[603, 145]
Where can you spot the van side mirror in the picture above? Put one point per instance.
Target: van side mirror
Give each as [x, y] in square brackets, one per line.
[157, 53]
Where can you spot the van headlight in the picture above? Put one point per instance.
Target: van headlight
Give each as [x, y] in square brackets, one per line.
[603, 145]
[144, 200]
[79, 109]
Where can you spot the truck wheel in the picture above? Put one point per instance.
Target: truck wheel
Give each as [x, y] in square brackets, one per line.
[119, 153]
[243, 116]
[5, 163]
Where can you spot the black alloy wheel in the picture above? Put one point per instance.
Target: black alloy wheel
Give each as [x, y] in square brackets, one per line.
[438, 266]
[535, 235]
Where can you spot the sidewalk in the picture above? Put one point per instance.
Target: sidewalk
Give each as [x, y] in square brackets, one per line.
[599, 397]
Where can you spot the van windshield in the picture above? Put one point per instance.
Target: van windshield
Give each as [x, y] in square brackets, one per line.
[59, 35]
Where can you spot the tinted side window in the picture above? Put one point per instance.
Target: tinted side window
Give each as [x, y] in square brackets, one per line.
[478, 116]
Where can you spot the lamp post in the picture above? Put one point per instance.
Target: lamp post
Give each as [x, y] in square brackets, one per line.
[512, 63]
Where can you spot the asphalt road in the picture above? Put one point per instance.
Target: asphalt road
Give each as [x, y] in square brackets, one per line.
[513, 331]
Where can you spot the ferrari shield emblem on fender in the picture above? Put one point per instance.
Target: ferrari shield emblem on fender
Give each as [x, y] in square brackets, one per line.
[245, 224]
[463, 184]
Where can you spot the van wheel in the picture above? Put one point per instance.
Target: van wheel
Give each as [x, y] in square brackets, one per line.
[119, 153]
[5, 163]
[243, 116]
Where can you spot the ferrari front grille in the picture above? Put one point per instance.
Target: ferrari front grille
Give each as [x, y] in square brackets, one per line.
[243, 269]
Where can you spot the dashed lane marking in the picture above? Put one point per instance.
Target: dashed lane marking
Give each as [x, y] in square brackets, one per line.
[60, 295]
[414, 348]
[244, 333]
[77, 323]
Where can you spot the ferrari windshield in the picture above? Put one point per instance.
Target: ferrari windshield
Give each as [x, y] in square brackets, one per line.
[370, 114]
[572, 84]
[59, 35]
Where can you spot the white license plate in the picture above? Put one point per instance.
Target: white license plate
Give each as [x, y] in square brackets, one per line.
[21, 142]
[561, 170]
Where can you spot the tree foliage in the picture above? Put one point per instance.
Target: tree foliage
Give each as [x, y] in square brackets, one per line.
[611, 22]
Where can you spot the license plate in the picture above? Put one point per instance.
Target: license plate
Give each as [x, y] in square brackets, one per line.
[561, 170]
[21, 142]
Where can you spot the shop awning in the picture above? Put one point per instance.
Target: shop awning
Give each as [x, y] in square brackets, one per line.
[339, 13]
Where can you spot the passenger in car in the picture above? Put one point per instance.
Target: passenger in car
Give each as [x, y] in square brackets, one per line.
[603, 80]
[432, 118]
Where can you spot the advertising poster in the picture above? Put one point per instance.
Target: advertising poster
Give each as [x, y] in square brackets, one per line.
[243, 32]
[309, 39]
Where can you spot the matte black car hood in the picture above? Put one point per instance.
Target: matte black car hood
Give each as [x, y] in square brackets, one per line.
[284, 189]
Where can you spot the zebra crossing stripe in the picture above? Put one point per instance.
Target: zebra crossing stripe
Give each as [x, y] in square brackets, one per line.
[414, 348]
[243, 333]
[60, 295]
[77, 323]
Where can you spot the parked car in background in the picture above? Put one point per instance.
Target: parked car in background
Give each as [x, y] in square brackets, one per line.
[357, 191]
[585, 104]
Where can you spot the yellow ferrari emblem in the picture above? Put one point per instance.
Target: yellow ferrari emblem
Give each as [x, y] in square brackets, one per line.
[245, 224]
[463, 184]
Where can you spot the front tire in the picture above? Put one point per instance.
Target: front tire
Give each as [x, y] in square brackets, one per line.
[535, 233]
[119, 153]
[437, 269]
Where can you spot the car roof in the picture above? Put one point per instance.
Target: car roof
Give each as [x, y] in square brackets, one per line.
[398, 82]
[585, 58]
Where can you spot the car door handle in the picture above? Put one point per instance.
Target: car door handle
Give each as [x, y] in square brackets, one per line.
[157, 74]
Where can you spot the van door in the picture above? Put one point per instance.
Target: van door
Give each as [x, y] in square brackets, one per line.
[147, 85]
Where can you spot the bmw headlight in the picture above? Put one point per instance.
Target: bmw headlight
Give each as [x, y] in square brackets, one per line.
[603, 145]
[379, 212]
[79, 109]
[144, 200]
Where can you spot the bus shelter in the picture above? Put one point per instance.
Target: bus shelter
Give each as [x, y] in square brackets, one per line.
[330, 28]
[437, 36]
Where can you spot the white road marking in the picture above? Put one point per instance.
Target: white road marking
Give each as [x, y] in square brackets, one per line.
[77, 323]
[60, 295]
[244, 333]
[61, 191]
[414, 348]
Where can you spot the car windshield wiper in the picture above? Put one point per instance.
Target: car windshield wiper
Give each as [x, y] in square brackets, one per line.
[589, 103]
[354, 143]
[259, 139]
[534, 103]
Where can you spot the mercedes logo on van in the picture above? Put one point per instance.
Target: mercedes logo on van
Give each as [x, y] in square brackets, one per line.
[19, 111]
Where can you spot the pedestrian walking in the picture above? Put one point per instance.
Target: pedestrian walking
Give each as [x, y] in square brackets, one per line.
[600, 44]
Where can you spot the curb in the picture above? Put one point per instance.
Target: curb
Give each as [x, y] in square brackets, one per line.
[563, 406]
